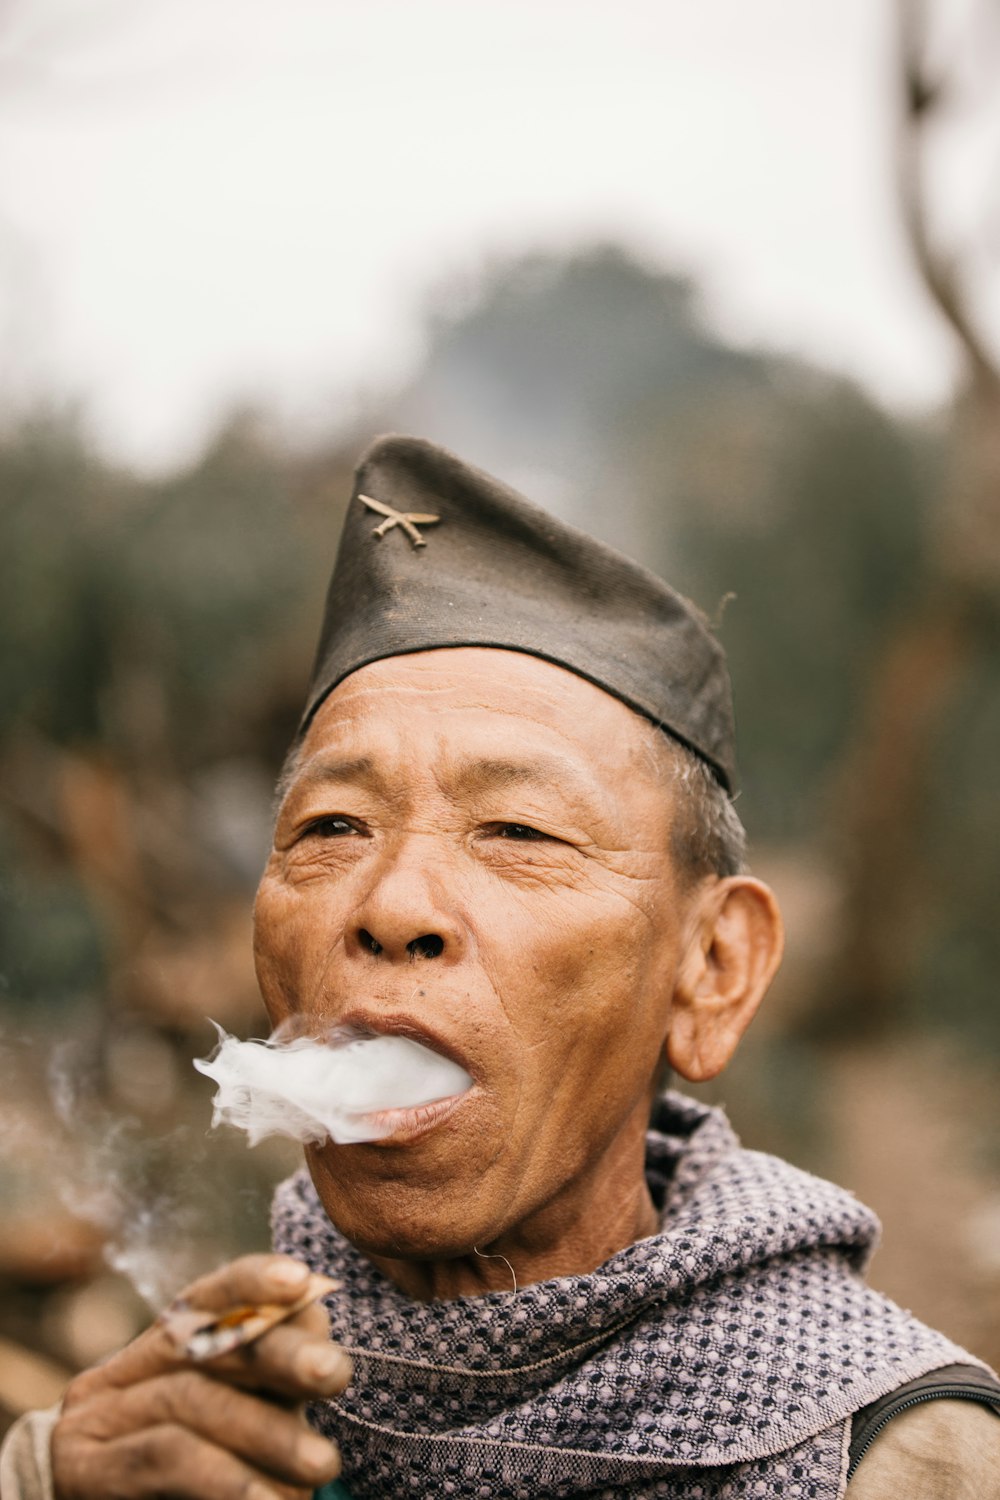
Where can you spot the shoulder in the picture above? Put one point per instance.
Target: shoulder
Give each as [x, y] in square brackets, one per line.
[939, 1450]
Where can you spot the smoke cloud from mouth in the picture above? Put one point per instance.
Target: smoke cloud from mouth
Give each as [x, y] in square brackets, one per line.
[331, 1089]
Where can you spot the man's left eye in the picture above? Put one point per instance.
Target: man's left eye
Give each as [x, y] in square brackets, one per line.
[521, 831]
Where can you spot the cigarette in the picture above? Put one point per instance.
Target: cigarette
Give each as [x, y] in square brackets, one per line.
[201, 1335]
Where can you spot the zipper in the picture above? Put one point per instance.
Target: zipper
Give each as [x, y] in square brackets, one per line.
[938, 1393]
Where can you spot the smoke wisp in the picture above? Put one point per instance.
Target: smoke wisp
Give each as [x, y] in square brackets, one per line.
[109, 1173]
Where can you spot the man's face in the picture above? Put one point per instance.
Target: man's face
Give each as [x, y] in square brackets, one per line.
[473, 851]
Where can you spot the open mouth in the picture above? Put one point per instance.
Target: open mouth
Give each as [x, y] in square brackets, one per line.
[366, 1024]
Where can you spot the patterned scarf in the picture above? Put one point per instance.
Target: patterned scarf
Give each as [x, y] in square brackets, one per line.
[720, 1358]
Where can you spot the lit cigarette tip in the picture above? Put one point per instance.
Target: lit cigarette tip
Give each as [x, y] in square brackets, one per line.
[198, 1334]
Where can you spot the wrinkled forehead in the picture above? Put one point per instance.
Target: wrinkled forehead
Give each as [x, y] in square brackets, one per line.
[469, 705]
[479, 686]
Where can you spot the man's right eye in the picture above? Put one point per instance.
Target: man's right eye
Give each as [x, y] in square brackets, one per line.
[329, 828]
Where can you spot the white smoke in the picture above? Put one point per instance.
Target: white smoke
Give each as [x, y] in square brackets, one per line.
[314, 1090]
[105, 1171]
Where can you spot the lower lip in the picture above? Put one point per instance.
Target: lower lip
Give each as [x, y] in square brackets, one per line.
[401, 1126]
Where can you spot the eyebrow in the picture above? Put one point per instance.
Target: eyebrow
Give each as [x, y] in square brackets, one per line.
[501, 772]
[350, 769]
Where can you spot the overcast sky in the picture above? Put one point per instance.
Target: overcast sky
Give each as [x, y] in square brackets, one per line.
[208, 200]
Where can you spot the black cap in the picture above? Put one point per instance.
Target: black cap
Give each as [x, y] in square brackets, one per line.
[435, 553]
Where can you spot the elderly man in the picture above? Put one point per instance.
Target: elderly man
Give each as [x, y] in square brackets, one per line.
[505, 831]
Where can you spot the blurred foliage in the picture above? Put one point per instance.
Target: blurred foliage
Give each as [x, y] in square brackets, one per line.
[145, 615]
[805, 503]
[155, 629]
[954, 926]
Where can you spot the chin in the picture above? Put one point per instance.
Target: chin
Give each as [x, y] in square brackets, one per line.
[398, 1202]
[401, 1222]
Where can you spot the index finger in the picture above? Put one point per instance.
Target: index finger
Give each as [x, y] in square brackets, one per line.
[252, 1278]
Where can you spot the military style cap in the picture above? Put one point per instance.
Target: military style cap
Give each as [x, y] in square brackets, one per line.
[435, 553]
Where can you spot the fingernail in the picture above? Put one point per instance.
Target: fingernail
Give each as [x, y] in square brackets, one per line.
[287, 1273]
[316, 1453]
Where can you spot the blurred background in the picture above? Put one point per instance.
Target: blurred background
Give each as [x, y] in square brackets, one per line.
[719, 283]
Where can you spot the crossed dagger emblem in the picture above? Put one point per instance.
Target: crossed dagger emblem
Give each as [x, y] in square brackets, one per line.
[407, 520]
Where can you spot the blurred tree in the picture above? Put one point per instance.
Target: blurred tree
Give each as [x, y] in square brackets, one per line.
[917, 798]
[797, 513]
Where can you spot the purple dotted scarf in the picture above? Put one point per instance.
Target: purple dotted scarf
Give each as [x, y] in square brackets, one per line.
[720, 1359]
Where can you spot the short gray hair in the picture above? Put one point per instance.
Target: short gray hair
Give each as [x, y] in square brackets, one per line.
[706, 835]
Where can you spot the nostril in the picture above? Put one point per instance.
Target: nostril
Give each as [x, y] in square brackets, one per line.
[428, 946]
[367, 941]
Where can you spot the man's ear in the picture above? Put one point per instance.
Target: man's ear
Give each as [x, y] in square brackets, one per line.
[732, 956]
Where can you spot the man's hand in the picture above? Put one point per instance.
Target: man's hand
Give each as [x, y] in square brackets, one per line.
[148, 1422]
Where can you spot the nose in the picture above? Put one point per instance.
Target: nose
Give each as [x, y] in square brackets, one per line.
[408, 911]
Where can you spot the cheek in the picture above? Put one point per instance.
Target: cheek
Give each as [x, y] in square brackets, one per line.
[579, 981]
[294, 931]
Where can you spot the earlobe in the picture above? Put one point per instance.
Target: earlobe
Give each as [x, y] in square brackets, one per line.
[732, 956]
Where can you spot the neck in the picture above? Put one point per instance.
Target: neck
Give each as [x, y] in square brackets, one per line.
[573, 1233]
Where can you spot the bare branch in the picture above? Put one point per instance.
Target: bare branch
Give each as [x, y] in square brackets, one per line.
[923, 96]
